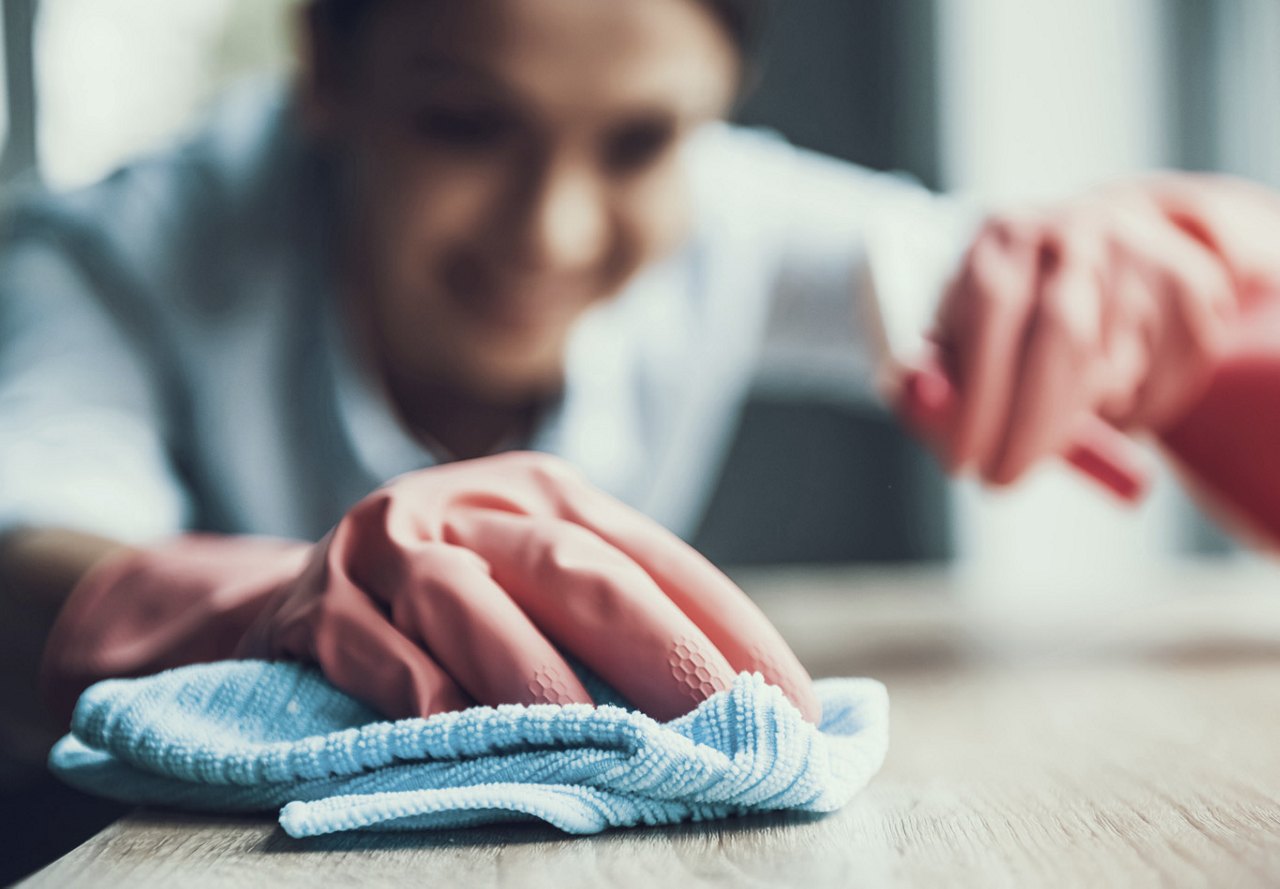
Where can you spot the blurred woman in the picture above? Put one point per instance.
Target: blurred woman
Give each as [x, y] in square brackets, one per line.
[312, 332]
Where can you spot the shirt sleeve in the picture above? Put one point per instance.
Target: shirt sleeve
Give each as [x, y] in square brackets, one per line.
[828, 227]
[82, 424]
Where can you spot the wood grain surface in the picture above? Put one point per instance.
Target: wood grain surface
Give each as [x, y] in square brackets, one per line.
[1128, 740]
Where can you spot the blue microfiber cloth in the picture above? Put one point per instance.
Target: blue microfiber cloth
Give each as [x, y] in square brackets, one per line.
[242, 736]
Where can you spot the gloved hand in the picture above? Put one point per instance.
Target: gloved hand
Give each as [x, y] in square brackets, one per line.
[1115, 307]
[464, 583]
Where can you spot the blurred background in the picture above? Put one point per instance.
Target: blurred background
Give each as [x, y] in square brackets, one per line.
[1004, 100]
[1001, 100]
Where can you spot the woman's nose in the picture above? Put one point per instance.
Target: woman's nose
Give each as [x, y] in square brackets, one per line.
[564, 226]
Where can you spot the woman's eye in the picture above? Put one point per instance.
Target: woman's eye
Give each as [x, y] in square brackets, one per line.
[461, 130]
[637, 147]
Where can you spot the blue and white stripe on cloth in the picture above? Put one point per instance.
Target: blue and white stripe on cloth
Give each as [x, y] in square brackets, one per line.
[242, 736]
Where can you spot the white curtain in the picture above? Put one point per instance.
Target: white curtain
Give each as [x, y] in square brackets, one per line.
[117, 77]
[1246, 71]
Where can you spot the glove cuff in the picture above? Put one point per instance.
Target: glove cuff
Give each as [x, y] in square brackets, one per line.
[139, 611]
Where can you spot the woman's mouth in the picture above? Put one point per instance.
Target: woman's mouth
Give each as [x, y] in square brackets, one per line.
[516, 304]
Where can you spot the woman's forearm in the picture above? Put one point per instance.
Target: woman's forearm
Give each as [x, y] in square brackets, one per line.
[38, 570]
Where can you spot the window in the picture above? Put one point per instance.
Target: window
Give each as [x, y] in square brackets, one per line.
[116, 77]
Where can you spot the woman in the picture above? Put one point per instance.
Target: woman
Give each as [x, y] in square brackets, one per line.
[510, 224]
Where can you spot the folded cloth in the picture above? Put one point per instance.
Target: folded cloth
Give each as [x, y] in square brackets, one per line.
[252, 736]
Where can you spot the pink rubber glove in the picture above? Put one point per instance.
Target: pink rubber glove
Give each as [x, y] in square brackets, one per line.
[928, 403]
[460, 584]
[1113, 308]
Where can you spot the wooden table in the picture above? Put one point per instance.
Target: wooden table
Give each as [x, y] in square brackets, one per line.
[1131, 740]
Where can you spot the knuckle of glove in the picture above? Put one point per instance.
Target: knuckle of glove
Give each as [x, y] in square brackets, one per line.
[544, 466]
[555, 476]
[1069, 324]
[697, 674]
[573, 551]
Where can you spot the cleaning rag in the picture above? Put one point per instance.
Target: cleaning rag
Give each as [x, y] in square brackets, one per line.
[239, 736]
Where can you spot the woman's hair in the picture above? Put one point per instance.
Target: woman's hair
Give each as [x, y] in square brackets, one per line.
[742, 19]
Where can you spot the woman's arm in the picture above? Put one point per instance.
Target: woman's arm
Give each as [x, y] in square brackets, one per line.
[83, 459]
[38, 569]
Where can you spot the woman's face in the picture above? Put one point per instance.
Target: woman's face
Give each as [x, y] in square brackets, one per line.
[509, 163]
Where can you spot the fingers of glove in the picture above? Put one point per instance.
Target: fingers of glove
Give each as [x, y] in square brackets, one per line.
[928, 403]
[598, 605]
[443, 598]
[1109, 457]
[1097, 449]
[1126, 347]
[1055, 385]
[1195, 307]
[713, 603]
[982, 326]
[360, 652]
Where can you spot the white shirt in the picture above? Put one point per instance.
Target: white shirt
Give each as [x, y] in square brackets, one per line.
[171, 357]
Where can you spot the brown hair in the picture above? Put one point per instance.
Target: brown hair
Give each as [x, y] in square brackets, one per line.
[742, 19]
